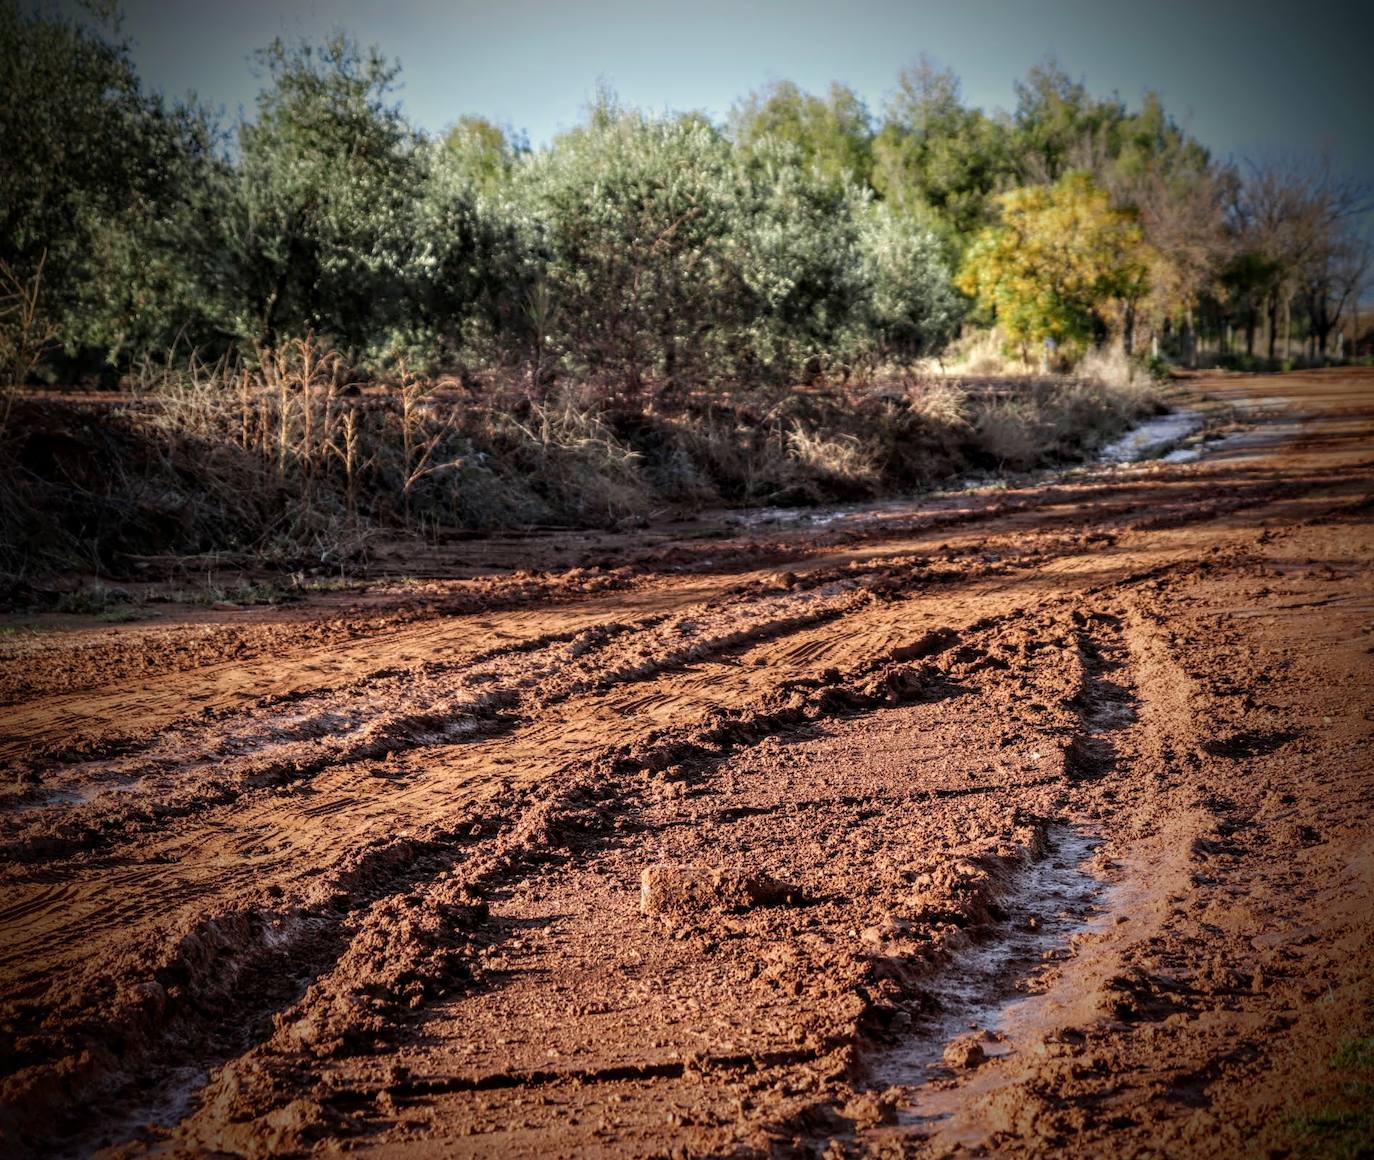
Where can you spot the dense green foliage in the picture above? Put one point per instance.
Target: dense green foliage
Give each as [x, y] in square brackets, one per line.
[805, 236]
[102, 188]
[321, 225]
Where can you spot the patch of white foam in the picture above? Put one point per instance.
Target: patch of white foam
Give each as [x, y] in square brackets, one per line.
[78, 793]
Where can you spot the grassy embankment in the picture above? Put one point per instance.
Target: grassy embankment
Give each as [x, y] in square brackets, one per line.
[292, 464]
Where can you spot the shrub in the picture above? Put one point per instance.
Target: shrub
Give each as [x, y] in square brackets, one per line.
[631, 216]
[320, 217]
[912, 307]
[1057, 263]
[290, 461]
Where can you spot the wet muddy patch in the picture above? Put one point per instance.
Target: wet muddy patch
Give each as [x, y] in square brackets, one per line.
[1262, 433]
[984, 1002]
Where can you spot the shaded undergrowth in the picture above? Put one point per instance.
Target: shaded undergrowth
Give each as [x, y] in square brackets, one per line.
[292, 463]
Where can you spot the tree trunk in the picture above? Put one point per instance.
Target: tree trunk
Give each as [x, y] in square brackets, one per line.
[1322, 323]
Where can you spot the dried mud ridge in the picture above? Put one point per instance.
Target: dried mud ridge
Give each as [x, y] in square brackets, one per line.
[384, 882]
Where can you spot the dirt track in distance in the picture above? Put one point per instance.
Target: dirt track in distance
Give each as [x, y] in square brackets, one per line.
[1077, 774]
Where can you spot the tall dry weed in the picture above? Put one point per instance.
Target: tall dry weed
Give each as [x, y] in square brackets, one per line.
[842, 459]
[940, 403]
[1008, 432]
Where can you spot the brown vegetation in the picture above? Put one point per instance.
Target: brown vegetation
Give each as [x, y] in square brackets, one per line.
[297, 462]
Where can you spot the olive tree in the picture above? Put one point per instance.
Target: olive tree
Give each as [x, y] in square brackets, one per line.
[797, 237]
[913, 309]
[640, 282]
[104, 191]
[321, 226]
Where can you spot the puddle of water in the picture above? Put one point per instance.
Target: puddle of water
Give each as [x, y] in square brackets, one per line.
[1145, 441]
[80, 793]
[985, 989]
[1266, 426]
[1239, 445]
[1244, 445]
[1155, 438]
[142, 1129]
[820, 516]
[1151, 437]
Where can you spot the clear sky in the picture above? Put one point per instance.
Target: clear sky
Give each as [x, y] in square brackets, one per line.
[1248, 78]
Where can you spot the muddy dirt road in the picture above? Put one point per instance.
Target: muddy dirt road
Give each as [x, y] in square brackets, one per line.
[1022, 821]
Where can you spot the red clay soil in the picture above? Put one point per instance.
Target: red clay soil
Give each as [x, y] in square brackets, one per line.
[709, 839]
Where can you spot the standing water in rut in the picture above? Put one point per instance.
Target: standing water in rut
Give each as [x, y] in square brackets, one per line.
[990, 987]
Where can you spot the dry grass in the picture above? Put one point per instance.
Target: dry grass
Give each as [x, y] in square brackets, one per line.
[940, 403]
[291, 462]
[981, 354]
[1112, 366]
[842, 458]
[1009, 430]
[985, 355]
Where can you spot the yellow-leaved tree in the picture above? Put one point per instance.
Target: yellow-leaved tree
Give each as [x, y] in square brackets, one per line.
[1060, 264]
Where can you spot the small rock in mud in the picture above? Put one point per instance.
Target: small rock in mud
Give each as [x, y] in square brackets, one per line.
[668, 889]
[887, 928]
[1300, 834]
[965, 1052]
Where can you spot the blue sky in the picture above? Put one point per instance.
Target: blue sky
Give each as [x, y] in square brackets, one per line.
[1249, 79]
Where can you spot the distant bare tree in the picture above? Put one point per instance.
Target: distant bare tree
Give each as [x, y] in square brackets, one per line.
[1183, 216]
[1301, 219]
[1333, 276]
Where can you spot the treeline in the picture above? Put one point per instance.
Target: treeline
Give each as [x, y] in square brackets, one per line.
[804, 236]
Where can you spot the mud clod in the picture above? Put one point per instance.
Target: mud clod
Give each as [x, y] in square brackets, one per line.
[965, 1052]
[928, 645]
[871, 1110]
[675, 889]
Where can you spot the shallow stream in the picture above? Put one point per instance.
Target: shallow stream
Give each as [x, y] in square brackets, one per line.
[1154, 438]
[1149, 438]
